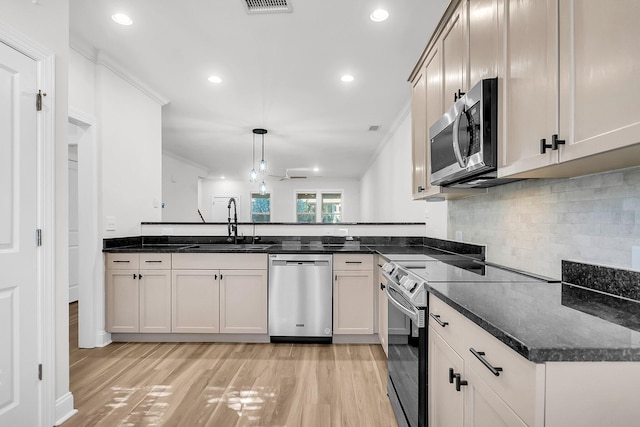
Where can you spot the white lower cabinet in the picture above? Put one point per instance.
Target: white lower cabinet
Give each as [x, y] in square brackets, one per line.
[551, 394]
[209, 298]
[383, 311]
[138, 293]
[195, 301]
[243, 301]
[465, 392]
[353, 294]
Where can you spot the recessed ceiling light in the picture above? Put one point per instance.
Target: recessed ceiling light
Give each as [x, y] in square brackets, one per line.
[379, 15]
[215, 79]
[347, 78]
[316, 169]
[122, 19]
[223, 177]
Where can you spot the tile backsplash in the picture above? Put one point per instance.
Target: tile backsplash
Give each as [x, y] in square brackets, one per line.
[534, 224]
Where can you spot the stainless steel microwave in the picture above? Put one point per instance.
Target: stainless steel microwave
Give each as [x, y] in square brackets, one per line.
[464, 142]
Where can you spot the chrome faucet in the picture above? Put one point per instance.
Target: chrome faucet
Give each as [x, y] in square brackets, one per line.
[232, 227]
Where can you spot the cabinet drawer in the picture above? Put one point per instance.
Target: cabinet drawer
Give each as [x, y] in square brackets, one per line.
[342, 262]
[218, 261]
[516, 382]
[449, 324]
[155, 261]
[122, 261]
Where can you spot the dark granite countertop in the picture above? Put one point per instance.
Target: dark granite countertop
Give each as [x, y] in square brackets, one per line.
[546, 322]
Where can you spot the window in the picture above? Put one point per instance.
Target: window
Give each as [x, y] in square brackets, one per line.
[306, 207]
[260, 207]
[330, 207]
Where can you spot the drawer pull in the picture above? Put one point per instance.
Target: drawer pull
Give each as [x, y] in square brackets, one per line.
[459, 382]
[119, 260]
[353, 262]
[436, 317]
[479, 355]
[153, 260]
[451, 375]
[382, 286]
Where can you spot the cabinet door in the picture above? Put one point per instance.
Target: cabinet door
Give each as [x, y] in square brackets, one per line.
[483, 407]
[353, 302]
[446, 405]
[419, 134]
[435, 109]
[600, 89]
[454, 56]
[155, 301]
[530, 91]
[122, 301]
[485, 47]
[243, 301]
[195, 301]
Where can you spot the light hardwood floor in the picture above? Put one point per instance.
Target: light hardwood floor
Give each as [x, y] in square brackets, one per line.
[203, 384]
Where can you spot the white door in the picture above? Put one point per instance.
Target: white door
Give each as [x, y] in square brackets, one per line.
[19, 323]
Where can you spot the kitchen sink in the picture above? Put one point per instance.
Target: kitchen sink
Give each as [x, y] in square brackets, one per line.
[231, 246]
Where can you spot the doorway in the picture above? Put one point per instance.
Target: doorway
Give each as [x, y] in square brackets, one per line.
[90, 271]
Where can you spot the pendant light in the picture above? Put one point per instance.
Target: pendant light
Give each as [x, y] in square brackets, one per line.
[263, 188]
[253, 175]
[263, 164]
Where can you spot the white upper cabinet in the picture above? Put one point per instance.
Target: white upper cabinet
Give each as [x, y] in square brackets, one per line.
[529, 108]
[599, 84]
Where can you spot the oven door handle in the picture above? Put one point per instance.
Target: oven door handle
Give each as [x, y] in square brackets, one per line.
[412, 315]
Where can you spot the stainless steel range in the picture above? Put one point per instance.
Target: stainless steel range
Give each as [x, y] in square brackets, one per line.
[407, 385]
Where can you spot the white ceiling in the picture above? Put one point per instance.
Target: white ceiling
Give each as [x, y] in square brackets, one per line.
[279, 71]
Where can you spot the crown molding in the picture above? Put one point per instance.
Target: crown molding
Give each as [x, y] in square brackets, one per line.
[109, 63]
[185, 160]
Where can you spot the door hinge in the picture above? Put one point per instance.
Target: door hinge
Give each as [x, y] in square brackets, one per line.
[40, 372]
[39, 237]
[39, 96]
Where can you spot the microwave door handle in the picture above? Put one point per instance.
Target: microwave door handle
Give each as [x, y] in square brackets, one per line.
[456, 140]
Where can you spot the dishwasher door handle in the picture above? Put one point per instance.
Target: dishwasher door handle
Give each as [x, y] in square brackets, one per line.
[296, 263]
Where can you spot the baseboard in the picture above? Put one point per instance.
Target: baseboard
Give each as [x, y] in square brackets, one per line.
[180, 337]
[73, 293]
[64, 408]
[103, 339]
[356, 339]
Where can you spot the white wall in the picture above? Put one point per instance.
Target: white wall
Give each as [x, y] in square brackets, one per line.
[385, 188]
[533, 225]
[180, 189]
[82, 83]
[47, 23]
[282, 196]
[131, 140]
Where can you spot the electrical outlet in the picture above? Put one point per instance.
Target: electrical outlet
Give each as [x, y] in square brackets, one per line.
[110, 223]
[635, 257]
[459, 235]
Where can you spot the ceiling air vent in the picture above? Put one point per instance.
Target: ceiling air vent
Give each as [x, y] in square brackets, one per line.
[267, 6]
[374, 128]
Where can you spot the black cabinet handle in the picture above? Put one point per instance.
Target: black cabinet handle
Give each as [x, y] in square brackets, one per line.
[117, 260]
[555, 142]
[215, 277]
[151, 260]
[458, 95]
[220, 276]
[479, 354]
[139, 276]
[459, 382]
[353, 262]
[420, 188]
[544, 146]
[451, 375]
[135, 276]
[336, 277]
[436, 317]
[382, 286]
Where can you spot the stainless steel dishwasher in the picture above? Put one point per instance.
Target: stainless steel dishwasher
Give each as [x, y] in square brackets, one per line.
[300, 298]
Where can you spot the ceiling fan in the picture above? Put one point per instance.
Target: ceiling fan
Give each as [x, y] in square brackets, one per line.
[287, 177]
